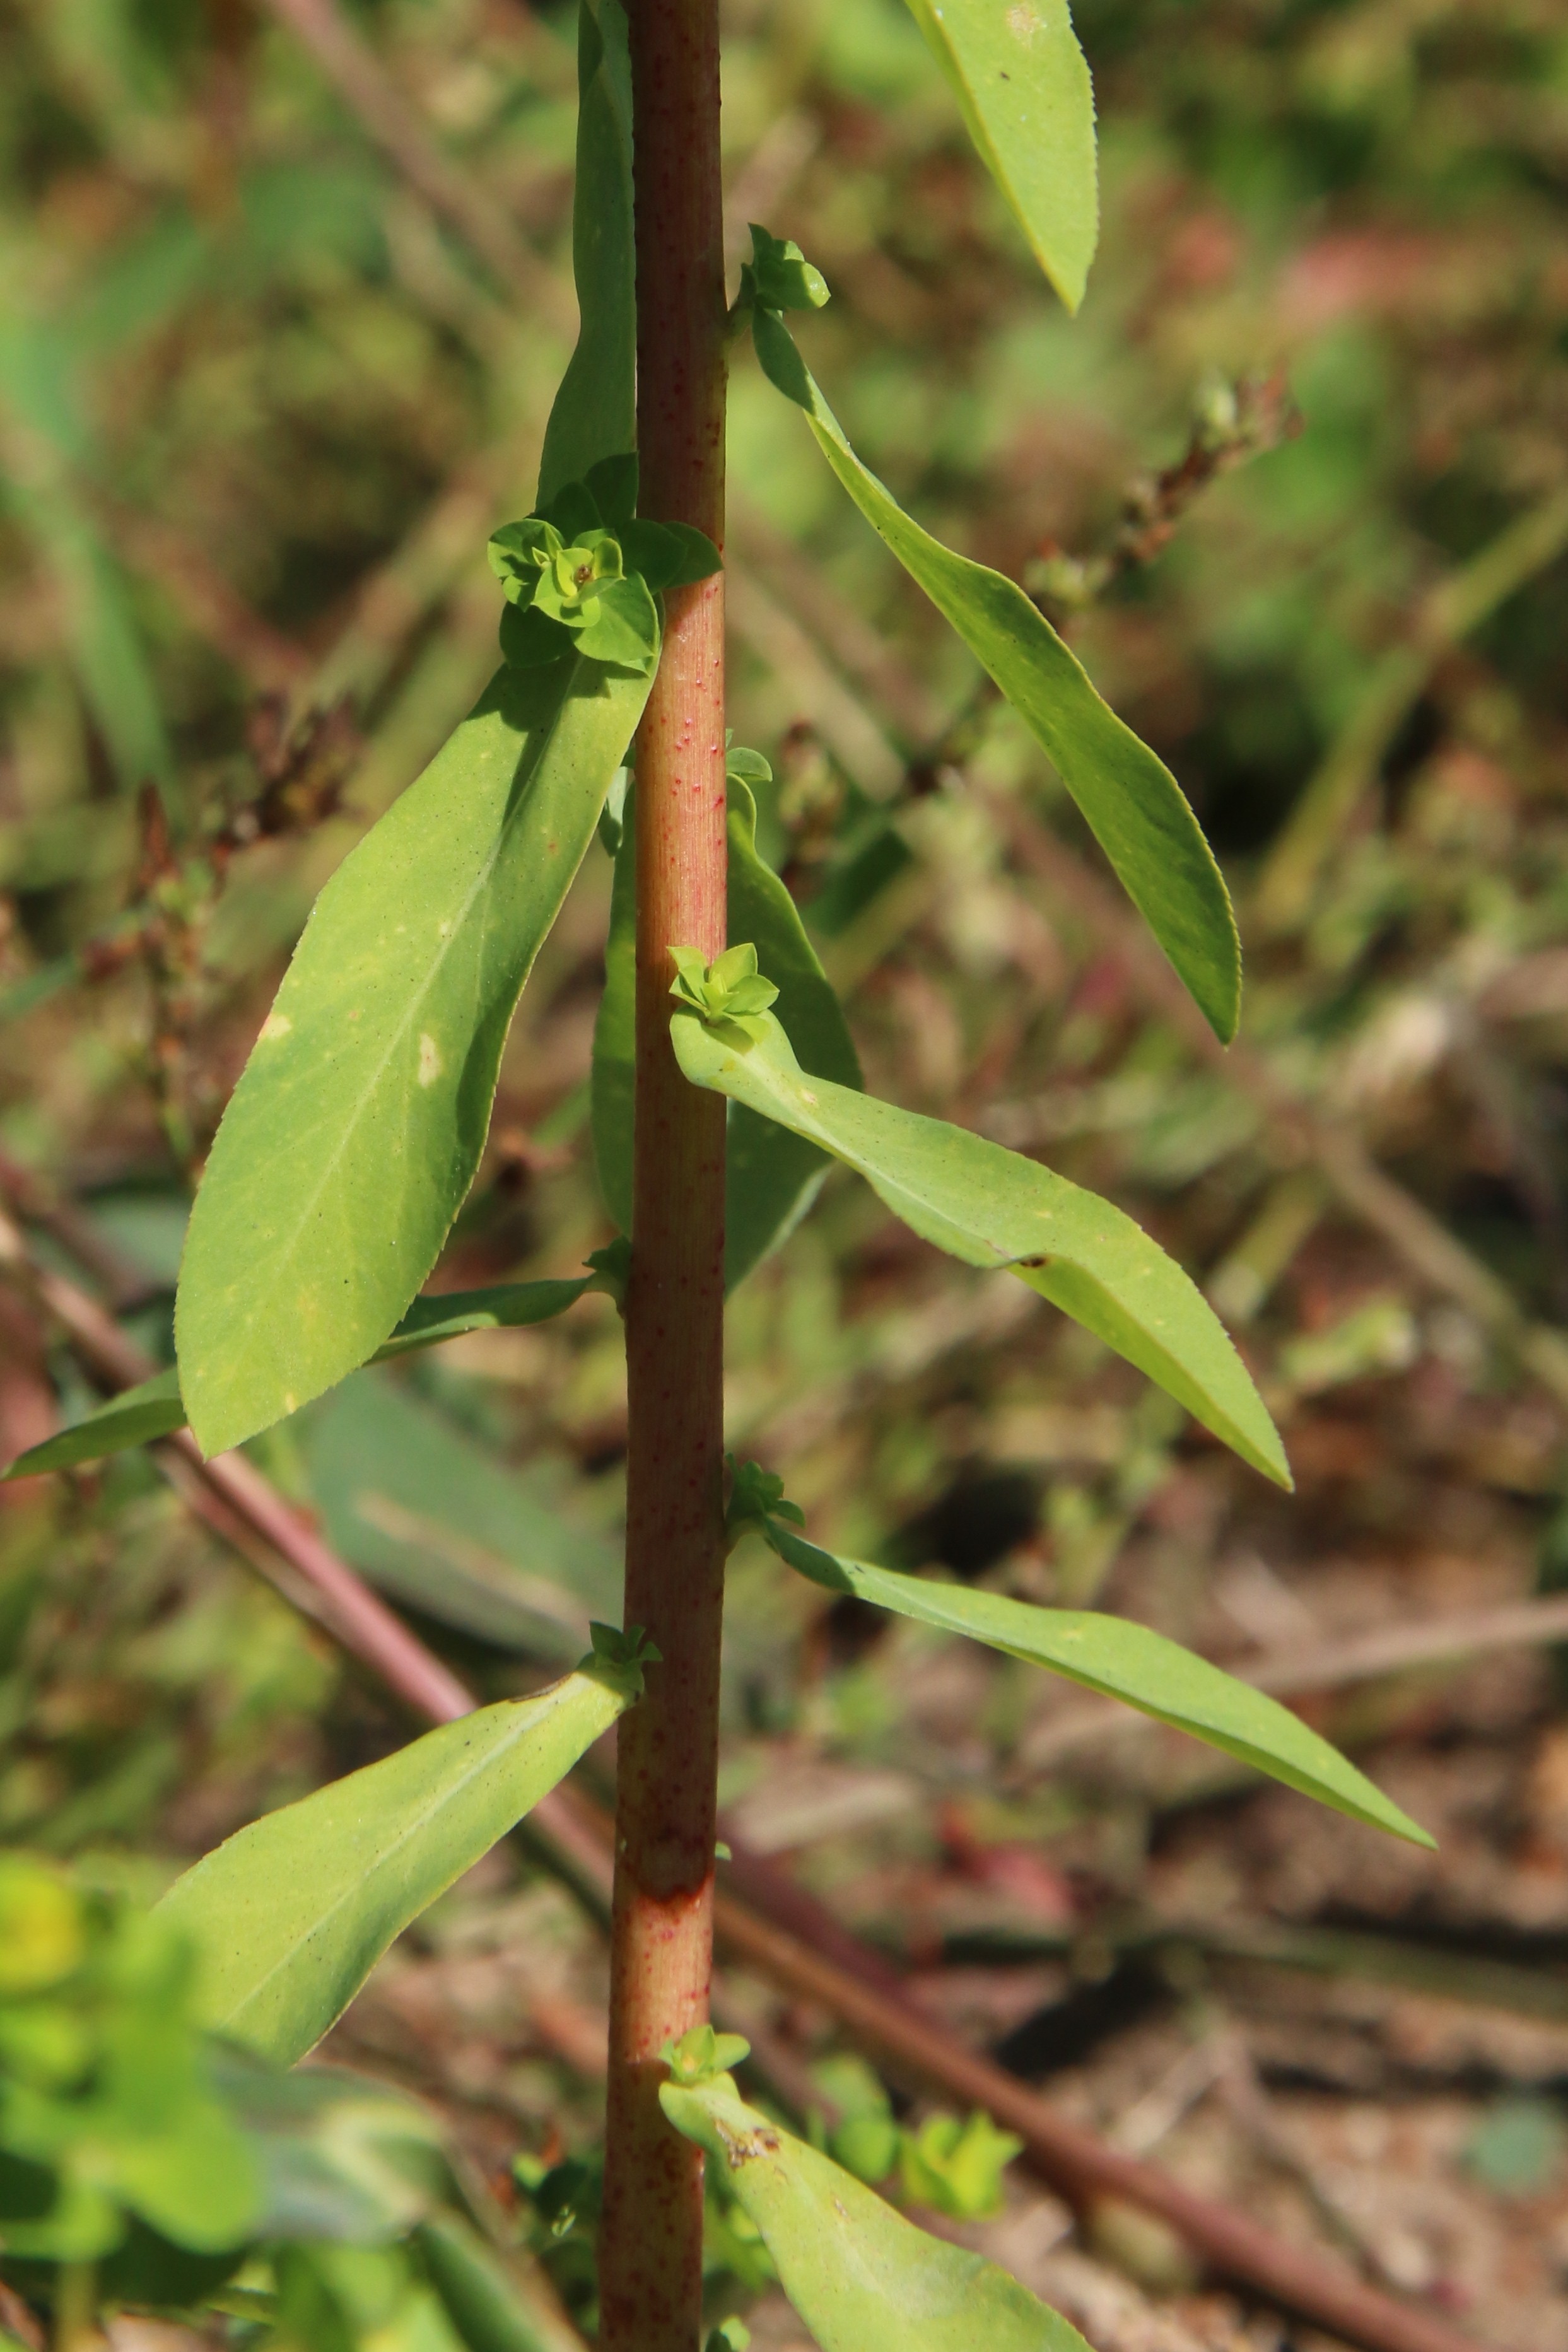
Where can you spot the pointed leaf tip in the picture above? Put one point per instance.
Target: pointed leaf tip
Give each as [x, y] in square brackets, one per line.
[1123, 1660]
[289, 1916]
[994, 1209]
[1023, 88]
[1133, 806]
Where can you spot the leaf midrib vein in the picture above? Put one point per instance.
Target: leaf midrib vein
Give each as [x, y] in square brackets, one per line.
[286, 1250]
[547, 1703]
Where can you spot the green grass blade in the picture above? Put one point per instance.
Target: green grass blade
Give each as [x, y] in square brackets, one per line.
[1131, 800]
[356, 1128]
[993, 1208]
[594, 411]
[1023, 89]
[289, 1917]
[861, 2277]
[1123, 1661]
[38, 384]
[771, 1179]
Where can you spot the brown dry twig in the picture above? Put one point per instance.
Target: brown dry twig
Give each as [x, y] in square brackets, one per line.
[1235, 422]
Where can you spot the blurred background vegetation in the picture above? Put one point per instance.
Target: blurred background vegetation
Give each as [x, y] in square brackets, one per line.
[284, 294]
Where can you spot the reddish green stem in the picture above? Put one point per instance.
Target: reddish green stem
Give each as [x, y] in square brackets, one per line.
[651, 2246]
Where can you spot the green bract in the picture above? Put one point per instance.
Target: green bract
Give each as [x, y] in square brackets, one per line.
[579, 576]
[622, 1654]
[755, 1496]
[771, 1179]
[582, 588]
[778, 276]
[730, 990]
[993, 1208]
[702, 2056]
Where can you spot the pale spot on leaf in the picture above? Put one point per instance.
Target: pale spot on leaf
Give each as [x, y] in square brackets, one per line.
[276, 1025]
[430, 1063]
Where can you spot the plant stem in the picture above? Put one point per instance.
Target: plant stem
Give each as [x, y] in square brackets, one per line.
[76, 2286]
[651, 2240]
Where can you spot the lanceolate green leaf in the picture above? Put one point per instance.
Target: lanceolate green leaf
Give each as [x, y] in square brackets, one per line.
[439, 1523]
[155, 1408]
[771, 1179]
[1130, 798]
[993, 1208]
[357, 1125]
[39, 385]
[862, 2278]
[1125, 1660]
[594, 413]
[152, 1408]
[501, 1306]
[1023, 87]
[289, 1917]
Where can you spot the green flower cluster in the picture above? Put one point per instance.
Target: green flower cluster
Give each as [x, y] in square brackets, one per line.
[946, 2164]
[580, 575]
[620, 1657]
[729, 989]
[756, 1496]
[778, 276]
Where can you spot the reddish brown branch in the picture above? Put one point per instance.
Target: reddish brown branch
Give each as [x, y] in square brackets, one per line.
[650, 2247]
